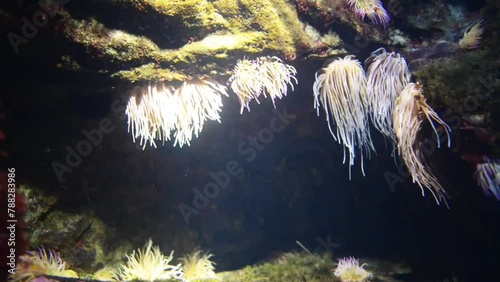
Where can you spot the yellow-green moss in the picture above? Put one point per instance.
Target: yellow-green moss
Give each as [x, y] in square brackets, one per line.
[192, 12]
[453, 80]
[67, 62]
[216, 33]
[112, 44]
[331, 39]
[280, 22]
[228, 8]
[212, 45]
[150, 72]
[290, 267]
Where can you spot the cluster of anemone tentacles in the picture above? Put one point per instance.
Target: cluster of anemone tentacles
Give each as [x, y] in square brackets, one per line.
[397, 108]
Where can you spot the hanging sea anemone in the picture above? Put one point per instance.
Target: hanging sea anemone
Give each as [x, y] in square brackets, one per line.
[342, 91]
[488, 177]
[263, 76]
[410, 111]
[161, 112]
[387, 75]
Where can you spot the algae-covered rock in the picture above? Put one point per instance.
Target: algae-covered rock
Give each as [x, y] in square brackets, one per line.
[312, 267]
[149, 72]
[290, 267]
[115, 45]
[82, 239]
[465, 83]
[465, 87]
[38, 204]
[195, 37]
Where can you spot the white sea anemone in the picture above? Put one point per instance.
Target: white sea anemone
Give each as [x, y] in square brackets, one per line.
[262, 76]
[149, 264]
[349, 270]
[39, 263]
[410, 111]
[488, 177]
[160, 112]
[198, 266]
[387, 76]
[341, 89]
[372, 9]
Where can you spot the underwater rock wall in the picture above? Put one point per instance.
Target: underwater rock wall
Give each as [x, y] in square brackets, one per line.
[162, 40]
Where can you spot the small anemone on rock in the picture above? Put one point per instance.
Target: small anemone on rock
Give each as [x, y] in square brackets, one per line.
[349, 270]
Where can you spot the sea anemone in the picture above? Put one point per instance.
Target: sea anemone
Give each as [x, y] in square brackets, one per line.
[159, 111]
[342, 91]
[387, 75]
[198, 101]
[147, 114]
[106, 273]
[262, 76]
[149, 264]
[409, 112]
[349, 270]
[198, 266]
[488, 177]
[373, 9]
[40, 263]
[472, 36]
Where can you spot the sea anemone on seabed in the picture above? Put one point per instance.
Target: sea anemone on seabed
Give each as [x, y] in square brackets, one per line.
[472, 36]
[198, 266]
[40, 263]
[349, 270]
[149, 264]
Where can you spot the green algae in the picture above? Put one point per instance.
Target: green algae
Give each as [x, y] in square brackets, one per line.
[215, 34]
[290, 267]
[149, 72]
